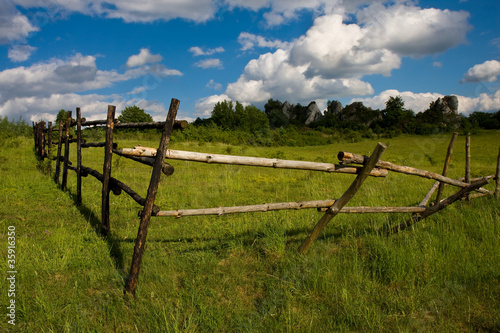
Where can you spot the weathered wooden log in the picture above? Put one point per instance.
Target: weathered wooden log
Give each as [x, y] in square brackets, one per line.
[78, 157]
[249, 161]
[348, 158]
[106, 171]
[159, 124]
[497, 177]
[446, 166]
[439, 206]
[247, 209]
[66, 152]
[140, 242]
[58, 158]
[97, 145]
[344, 199]
[167, 169]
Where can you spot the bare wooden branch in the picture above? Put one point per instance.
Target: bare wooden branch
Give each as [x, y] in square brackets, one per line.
[441, 205]
[249, 161]
[167, 169]
[140, 242]
[346, 157]
[337, 206]
[106, 172]
[446, 165]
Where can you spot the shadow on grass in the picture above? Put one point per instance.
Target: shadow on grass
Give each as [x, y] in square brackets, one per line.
[111, 240]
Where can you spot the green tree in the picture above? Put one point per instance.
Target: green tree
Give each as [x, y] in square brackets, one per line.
[134, 114]
[395, 116]
[61, 115]
[223, 115]
[251, 119]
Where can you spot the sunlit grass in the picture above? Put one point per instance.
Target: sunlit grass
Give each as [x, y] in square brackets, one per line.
[242, 272]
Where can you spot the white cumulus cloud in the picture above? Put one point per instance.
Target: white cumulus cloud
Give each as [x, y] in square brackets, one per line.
[144, 57]
[204, 106]
[20, 53]
[198, 51]
[487, 71]
[248, 41]
[209, 63]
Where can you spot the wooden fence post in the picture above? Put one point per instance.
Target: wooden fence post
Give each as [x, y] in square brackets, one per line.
[106, 172]
[467, 161]
[66, 152]
[497, 177]
[446, 166]
[78, 157]
[49, 135]
[148, 206]
[337, 206]
[59, 148]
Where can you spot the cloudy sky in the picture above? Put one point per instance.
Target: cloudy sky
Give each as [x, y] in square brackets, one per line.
[58, 54]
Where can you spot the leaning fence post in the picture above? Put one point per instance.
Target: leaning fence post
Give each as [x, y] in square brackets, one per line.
[497, 177]
[106, 172]
[59, 147]
[148, 206]
[78, 157]
[66, 152]
[446, 166]
[337, 206]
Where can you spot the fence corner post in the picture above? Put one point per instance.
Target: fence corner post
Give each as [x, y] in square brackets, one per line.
[78, 157]
[140, 242]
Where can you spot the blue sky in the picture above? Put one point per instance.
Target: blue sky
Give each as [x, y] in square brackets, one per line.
[91, 53]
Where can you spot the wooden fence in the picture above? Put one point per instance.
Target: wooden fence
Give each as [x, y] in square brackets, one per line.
[361, 166]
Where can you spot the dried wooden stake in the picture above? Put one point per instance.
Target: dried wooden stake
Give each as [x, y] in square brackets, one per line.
[337, 206]
[66, 152]
[446, 165]
[148, 207]
[106, 172]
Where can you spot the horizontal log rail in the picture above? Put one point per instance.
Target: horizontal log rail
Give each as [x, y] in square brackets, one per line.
[116, 186]
[167, 169]
[248, 161]
[348, 158]
[320, 205]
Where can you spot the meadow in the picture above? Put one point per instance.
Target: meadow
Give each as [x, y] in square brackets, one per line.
[242, 273]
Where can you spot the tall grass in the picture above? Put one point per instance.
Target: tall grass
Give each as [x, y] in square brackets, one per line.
[242, 272]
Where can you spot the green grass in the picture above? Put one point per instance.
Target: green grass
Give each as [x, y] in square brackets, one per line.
[242, 273]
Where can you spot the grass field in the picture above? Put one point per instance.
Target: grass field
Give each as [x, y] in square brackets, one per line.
[242, 273]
